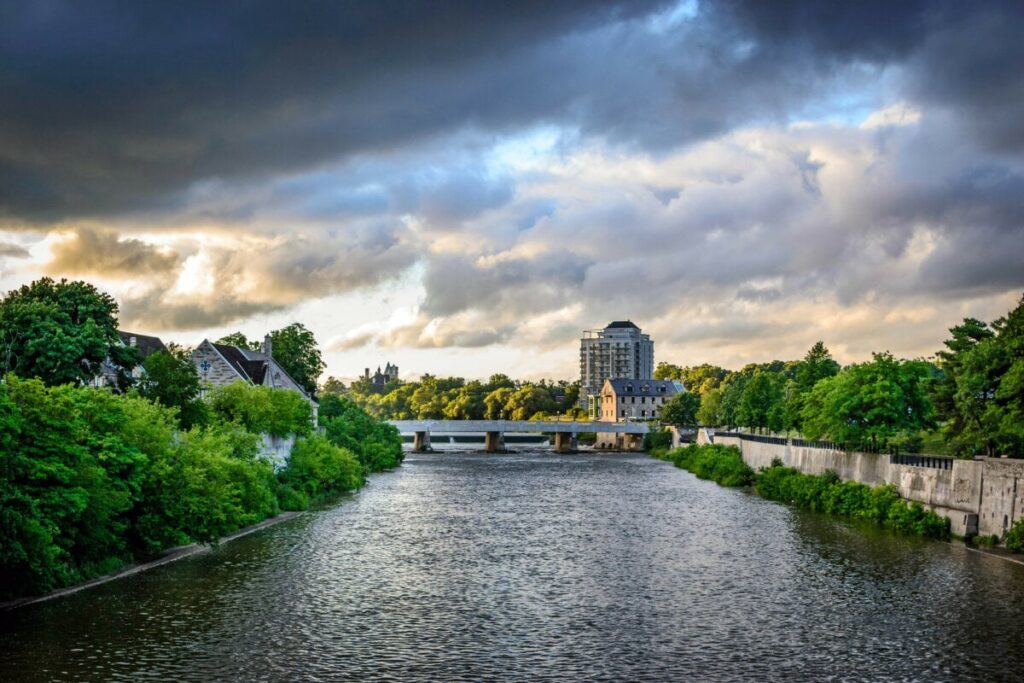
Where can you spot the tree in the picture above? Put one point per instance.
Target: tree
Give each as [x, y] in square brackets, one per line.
[981, 393]
[527, 400]
[60, 332]
[295, 348]
[760, 403]
[870, 403]
[710, 408]
[681, 411]
[171, 380]
[668, 371]
[238, 339]
[494, 403]
[332, 385]
[817, 365]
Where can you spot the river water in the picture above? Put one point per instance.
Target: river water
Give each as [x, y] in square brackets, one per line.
[537, 567]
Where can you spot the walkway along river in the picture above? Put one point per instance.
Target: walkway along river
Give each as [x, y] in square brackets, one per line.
[533, 566]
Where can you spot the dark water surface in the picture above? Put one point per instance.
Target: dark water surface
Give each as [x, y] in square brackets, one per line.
[540, 567]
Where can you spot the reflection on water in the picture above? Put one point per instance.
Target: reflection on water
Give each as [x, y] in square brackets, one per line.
[533, 566]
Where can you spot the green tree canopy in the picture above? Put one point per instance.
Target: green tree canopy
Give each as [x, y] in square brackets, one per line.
[60, 332]
[681, 411]
[709, 413]
[240, 340]
[295, 348]
[870, 403]
[522, 403]
[980, 394]
[171, 379]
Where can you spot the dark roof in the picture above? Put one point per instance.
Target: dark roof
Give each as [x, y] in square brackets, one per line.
[143, 342]
[250, 368]
[252, 365]
[621, 324]
[622, 385]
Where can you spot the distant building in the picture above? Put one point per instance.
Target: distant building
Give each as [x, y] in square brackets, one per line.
[145, 345]
[624, 400]
[378, 379]
[620, 350]
[221, 364]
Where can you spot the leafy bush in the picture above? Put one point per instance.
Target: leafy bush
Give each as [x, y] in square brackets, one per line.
[721, 464]
[1015, 537]
[826, 493]
[262, 409]
[657, 440]
[317, 469]
[377, 445]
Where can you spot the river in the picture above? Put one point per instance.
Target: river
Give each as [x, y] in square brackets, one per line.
[534, 567]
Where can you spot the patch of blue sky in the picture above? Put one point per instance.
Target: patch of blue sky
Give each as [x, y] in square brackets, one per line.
[527, 149]
[674, 16]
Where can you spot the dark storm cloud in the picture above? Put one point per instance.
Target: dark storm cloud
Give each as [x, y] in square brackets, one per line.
[966, 57]
[144, 98]
[110, 107]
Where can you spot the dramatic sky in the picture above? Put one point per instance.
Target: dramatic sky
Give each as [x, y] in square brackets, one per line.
[462, 187]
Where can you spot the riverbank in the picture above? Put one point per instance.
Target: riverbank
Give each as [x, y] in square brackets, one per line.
[169, 556]
[825, 492]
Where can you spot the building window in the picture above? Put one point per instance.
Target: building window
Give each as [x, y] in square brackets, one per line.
[623, 413]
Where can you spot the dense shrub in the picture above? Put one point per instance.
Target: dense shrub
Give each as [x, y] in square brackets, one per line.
[721, 464]
[1015, 537]
[657, 440]
[826, 493]
[262, 409]
[91, 480]
[377, 445]
[820, 493]
[317, 468]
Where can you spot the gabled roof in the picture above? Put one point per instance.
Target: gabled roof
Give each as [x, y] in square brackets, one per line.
[247, 368]
[143, 342]
[619, 324]
[252, 365]
[635, 387]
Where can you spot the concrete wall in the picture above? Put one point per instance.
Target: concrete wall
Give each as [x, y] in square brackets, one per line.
[277, 449]
[991, 489]
[1002, 495]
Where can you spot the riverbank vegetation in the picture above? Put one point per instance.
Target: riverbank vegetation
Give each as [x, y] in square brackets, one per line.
[826, 493]
[91, 480]
[94, 478]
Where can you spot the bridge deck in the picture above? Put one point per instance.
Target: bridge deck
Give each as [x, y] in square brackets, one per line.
[506, 426]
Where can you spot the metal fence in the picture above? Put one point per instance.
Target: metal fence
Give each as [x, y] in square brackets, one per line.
[938, 462]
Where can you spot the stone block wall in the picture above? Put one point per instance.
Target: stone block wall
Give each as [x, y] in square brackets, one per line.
[958, 494]
[219, 372]
[1002, 495]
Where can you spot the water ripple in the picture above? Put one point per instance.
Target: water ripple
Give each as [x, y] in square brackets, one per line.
[537, 567]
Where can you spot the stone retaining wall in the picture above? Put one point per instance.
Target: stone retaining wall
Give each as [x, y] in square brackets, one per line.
[986, 495]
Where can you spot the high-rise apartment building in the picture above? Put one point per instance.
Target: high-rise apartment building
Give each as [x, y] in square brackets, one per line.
[620, 350]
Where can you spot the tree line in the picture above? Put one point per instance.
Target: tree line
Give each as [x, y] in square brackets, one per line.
[972, 394]
[454, 398]
[93, 478]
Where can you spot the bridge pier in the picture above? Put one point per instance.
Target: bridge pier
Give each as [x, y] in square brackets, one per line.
[565, 442]
[493, 442]
[421, 442]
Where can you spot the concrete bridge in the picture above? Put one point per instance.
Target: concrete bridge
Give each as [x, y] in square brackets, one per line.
[494, 430]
